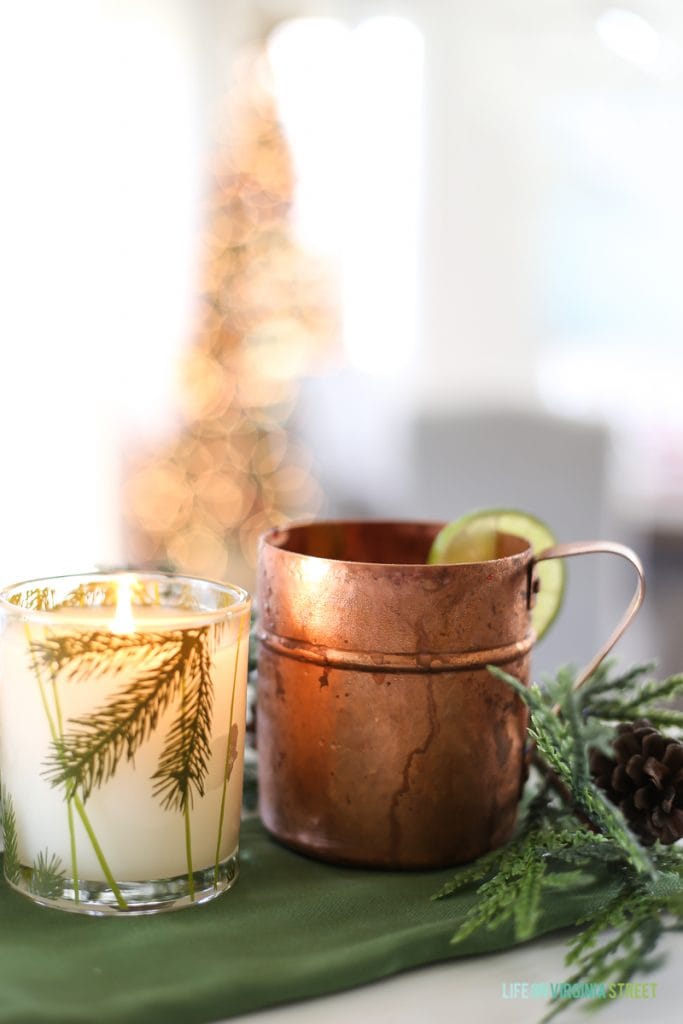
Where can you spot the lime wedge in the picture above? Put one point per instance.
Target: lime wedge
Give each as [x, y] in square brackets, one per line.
[473, 538]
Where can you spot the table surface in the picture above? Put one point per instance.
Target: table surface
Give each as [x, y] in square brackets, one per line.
[472, 989]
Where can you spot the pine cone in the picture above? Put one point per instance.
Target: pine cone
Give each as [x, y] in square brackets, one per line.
[645, 780]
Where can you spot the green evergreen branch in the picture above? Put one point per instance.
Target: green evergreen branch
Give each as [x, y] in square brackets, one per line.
[659, 717]
[72, 797]
[163, 665]
[510, 883]
[233, 734]
[81, 655]
[185, 757]
[641, 896]
[47, 876]
[629, 697]
[562, 746]
[527, 905]
[609, 819]
[580, 772]
[628, 682]
[635, 692]
[633, 919]
[69, 801]
[481, 868]
[512, 878]
[9, 833]
[88, 756]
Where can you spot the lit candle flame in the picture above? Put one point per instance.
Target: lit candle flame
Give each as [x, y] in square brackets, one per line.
[123, 621]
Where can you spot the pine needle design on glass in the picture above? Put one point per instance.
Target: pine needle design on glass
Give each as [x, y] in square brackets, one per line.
[87, 755]
[9, 834]
[47, 875]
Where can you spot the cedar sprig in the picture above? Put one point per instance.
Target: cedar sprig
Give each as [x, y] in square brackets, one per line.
[603, 679]
[512, 879]
[562, 842]
[616, 941]
[632, 696]
[562, 745]
[553, 853]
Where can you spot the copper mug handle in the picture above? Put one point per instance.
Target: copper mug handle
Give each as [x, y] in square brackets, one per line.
[593, 547]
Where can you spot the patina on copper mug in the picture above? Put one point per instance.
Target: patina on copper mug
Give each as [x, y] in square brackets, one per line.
[383, 740]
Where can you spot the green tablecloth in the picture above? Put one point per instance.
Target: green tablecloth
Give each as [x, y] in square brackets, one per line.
[291, 928]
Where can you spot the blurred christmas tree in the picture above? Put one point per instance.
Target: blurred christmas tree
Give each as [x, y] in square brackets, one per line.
[199, 502]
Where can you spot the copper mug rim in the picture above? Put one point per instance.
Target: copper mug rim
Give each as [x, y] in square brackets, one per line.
[279, 536]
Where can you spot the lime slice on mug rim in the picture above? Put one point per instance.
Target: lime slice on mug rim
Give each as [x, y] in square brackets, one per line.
[473, 537]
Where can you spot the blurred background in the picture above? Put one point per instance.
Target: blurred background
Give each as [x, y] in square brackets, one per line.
[272, 260]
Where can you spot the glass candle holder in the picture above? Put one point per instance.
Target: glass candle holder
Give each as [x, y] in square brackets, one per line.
[122, 714]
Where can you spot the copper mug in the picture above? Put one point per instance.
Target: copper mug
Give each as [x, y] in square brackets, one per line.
[383, 740]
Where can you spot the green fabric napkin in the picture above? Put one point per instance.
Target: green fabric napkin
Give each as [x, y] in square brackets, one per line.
[290, 928]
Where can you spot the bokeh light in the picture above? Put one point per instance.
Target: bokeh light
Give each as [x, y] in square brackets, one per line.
[266, 313]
